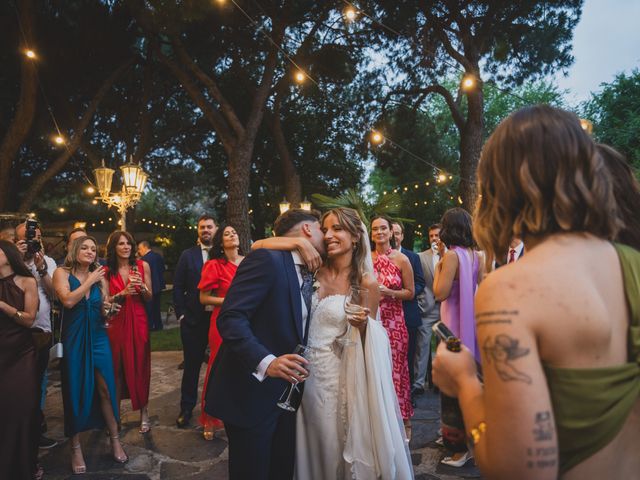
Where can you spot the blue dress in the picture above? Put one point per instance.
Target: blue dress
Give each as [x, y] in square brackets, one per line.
[86, 351]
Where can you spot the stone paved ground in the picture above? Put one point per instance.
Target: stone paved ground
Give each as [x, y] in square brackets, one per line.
[168, 453]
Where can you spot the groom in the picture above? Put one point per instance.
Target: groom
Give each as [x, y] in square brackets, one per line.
[263, 317]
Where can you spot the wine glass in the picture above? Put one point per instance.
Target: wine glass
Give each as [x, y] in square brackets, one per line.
[354, 304]
[303, 351]
[116, 300]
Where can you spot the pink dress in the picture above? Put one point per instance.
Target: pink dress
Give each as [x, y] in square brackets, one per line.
[392, 316]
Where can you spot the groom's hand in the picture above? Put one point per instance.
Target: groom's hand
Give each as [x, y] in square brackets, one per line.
[289, 367]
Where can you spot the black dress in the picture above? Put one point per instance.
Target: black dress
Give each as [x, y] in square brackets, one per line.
[19, 391]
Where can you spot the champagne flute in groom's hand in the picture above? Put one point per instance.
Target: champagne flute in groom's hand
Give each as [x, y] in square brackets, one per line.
[303, 351]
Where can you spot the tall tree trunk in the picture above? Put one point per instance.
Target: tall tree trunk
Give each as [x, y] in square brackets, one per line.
[290, 177]
[470, 148]
[25, 109]
[75, 141]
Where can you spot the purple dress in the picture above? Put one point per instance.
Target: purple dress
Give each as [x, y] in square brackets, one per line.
[457, 310]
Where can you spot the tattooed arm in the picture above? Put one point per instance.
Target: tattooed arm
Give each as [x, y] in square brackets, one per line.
[520, 440]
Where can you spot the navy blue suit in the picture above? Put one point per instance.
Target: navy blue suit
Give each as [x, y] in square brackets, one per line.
[156, 266]
[194, 322]
[412, 315]
[261, 315]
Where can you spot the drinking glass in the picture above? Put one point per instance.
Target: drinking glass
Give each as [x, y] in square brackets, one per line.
[354, 304]
[303, 351]
[117, 299]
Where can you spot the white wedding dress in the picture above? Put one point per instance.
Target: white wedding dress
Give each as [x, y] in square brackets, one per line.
[349, 424]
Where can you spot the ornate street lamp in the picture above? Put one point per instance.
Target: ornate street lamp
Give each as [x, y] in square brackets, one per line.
[284, 205]
[305, 204]
[134, 180]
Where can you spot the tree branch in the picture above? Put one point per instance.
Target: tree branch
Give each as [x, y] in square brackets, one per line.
[456, 114]
[225, 107]
[75, 140]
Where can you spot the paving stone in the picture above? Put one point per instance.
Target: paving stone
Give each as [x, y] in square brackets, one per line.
[169, 453]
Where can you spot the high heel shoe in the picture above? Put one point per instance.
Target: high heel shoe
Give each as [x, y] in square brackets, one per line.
[77, 469]
[457, 463]
[122, 460]
[145, 427]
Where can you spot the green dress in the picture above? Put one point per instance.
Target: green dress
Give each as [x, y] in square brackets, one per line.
[591, 405]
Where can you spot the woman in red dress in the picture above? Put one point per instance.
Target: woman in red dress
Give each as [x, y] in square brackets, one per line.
[217, 274]
[130, 282]
[395, 279]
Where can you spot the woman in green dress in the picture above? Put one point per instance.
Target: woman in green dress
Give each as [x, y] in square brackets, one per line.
[559, 330]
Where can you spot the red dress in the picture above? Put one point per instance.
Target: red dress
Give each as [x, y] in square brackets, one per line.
[130, 347]
[392, 316]
[216, 277]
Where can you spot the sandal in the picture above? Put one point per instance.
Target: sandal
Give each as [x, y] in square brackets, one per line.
[145, 427]
[122, 460]
[77, 469]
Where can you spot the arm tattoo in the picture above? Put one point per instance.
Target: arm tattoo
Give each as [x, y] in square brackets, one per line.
[495, 317]
[502, 350]
[543, 431]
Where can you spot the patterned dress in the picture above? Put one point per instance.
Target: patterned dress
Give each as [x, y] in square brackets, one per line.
[392, 316]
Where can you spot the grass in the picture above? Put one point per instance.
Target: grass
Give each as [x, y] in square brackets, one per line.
[166, 340]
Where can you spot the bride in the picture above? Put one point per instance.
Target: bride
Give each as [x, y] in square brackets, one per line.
[349, 423]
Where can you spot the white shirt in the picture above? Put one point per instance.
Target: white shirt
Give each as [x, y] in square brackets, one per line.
[518, 250]
[205, 259]
[43, 316]
[261, 370]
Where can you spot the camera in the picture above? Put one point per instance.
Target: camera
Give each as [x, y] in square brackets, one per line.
[33, 244]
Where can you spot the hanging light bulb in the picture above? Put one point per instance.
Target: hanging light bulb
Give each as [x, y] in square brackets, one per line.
[30, 54]
[299, 76]
[468, 82]
[350, 14]
[376, 137]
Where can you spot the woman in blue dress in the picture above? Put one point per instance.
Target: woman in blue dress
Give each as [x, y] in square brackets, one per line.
[88, 383]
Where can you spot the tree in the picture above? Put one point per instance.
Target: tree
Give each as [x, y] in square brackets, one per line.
[24, 110]
[489, 41]
[615, 113]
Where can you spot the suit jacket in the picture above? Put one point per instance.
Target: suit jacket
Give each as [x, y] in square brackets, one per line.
[426, 300]
[156, 265]
[261, 315]
[186, 296]
[411, 310]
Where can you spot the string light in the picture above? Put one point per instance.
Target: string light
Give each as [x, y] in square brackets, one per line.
[376, 137]
[441, 178]
[94, 202]
[299, 76]
[61, 209]
[350, 14]
[59, 140]
[90, 190]
[30, 54]
[468, 82]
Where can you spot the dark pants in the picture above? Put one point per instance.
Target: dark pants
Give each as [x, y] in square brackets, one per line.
[153, 312]
[265, 451]
[413, 335]
[194, 343]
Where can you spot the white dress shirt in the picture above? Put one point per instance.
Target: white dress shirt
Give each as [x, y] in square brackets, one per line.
[43, 316]
[518, 252]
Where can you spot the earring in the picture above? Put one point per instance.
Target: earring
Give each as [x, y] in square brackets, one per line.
[355, 246]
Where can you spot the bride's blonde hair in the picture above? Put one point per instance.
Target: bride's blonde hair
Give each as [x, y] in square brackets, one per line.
[349, 220]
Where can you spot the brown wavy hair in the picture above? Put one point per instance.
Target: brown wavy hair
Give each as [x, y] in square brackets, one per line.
[71, 260]
[540, 174]
[626, 190]
[349, 219]
[112, 256]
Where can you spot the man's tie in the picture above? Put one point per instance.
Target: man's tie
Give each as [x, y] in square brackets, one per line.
[512, 256]
[307, 287]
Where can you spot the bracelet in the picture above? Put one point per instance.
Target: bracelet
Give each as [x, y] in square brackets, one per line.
[18, 315]
[476, 432]
[42, 272]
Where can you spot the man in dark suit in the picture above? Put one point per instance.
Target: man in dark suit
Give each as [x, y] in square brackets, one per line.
[156, 265]
[410, 307]
[263, 317]
[192, 315]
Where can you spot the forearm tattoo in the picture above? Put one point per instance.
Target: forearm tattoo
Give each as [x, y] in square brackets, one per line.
[501, 351]
[543, 431]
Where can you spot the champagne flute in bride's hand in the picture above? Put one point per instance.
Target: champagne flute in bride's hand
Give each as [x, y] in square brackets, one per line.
[354, 304]
[303, 351]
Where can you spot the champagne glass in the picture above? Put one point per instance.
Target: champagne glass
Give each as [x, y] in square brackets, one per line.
[354, 304]
[303, 351]
[116, 300]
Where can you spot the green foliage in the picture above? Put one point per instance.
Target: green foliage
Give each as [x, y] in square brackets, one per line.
[383, 205]
[615, 113]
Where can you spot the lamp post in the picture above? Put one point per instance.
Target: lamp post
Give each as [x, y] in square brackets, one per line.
[134, 180]
[284, 205]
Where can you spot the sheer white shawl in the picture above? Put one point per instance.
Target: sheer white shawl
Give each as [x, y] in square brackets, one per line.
[375, 441]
